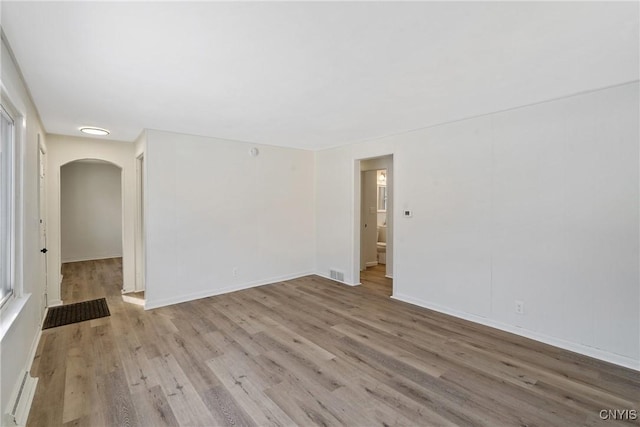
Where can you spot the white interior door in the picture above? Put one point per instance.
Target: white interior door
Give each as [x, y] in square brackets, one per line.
[42, 209]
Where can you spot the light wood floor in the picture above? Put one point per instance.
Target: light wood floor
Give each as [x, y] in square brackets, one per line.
[305, 352]
[374, 279]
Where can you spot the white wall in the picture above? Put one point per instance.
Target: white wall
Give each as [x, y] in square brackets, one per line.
[20, 322]
[538, 204]
[211, 207]
[91, 211]
[66, 149]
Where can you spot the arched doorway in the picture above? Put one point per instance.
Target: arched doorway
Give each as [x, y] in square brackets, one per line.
[91, 226]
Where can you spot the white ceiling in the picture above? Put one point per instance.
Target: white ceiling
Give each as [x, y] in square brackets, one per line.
[309, 75]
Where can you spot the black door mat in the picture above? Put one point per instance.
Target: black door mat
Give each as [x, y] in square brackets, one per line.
[74, 313]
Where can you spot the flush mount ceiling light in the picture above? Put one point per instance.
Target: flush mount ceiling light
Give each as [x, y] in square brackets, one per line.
[94, 131]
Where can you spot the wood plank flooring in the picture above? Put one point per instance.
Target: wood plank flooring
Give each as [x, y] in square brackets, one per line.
[306, 352]
[374, 279]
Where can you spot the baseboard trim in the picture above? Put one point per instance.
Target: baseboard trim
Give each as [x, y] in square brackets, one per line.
[54, 303]
[137, 301]
[82, 259]
[149, 305]
[582, 349]
[339, 281]
[371, 263]
[36, 341]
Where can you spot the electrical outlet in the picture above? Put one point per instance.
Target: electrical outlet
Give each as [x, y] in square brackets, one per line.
[235, 271]
[519, 307]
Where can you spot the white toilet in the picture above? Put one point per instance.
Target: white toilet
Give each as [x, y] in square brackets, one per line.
[382, 244]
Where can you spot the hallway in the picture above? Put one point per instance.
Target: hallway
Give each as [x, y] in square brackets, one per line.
[87, 280]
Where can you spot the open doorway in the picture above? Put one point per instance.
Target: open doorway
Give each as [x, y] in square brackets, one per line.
[91, 229]
[376, 224]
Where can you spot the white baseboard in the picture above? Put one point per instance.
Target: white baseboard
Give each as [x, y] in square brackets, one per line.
[35, 343]
[55, 303]
[371, 263]
[596, 353]
[388, 276]
[225, 290]
[91, 258]
[131, 300]
[339, 281]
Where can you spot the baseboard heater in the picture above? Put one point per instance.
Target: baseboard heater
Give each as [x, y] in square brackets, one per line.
[23, 396]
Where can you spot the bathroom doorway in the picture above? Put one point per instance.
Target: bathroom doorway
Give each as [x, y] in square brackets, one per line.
[375, 223]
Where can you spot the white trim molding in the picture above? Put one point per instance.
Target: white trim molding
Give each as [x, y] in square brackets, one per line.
[82, 259]
[339, 281]
[225, 290]
[10, 313]
[582, 349]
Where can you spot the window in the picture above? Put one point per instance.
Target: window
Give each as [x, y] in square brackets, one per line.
[6, 205]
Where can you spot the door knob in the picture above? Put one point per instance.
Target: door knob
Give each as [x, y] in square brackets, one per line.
[44, 250]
